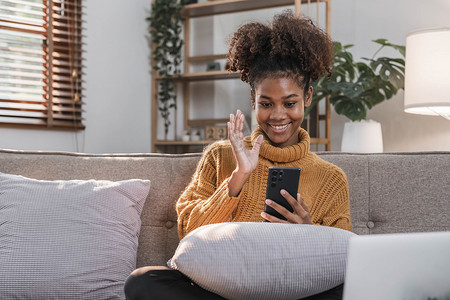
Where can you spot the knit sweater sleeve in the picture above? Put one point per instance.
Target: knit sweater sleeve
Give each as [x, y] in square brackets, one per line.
[206, 199]
[336, 197]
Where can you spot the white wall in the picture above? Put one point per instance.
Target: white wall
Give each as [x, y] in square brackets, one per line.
[118, 76]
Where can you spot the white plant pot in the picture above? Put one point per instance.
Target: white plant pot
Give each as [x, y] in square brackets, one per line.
[362, 137]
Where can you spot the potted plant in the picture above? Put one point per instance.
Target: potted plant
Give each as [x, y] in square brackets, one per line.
[165, 26]
[355, 87]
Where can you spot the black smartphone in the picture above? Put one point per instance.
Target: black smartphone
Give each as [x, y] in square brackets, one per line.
[279, 178]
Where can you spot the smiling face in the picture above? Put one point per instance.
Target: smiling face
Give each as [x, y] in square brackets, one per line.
[280, 107]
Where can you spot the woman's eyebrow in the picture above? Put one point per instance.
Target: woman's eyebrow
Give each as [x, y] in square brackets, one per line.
[289, 96]
[284, 97]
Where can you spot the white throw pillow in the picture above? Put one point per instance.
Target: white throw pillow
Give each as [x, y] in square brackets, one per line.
[68, 239]
[263, 260]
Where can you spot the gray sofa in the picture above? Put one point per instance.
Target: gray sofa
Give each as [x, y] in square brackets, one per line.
[398, 192]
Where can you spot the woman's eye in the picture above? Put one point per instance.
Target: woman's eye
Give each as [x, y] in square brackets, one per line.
[290, 104]
[264, 104]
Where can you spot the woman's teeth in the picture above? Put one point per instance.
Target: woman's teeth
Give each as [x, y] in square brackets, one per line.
[279, 127]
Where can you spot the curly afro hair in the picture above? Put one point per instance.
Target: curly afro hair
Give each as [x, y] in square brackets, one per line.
[289, 47]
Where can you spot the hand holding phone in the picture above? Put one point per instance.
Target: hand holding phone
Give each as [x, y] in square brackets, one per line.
[279, 178]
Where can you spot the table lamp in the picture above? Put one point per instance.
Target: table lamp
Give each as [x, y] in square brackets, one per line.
[427, 72]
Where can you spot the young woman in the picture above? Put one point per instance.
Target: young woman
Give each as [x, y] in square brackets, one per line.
[278, 61]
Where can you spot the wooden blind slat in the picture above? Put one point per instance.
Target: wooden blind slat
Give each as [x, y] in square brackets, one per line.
[22, 20]
[18, 11]
[26, 3]
[14, 89]
[56, 100]
[21, 66]
[16, 81]
[18, 74]
[22, 113]
[22, 50]
[40, 123]
[22, 106]
[22, 97]
[23, 58]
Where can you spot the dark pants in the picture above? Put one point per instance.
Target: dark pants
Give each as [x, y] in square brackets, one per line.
[161, 283]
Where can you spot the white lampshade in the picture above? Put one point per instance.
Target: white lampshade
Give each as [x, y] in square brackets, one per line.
[427, 72]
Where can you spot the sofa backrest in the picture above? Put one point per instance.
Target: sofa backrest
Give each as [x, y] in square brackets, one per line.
[397, 192]
[401, 192]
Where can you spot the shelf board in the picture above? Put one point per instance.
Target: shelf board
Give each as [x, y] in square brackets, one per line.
[181, 143]
[202, 58]
[231, 6]
[211, 75]
[200, 122]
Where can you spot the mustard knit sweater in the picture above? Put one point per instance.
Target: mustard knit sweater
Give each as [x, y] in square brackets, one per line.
[323, 186]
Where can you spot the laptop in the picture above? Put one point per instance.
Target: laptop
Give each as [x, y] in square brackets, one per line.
[403, 266]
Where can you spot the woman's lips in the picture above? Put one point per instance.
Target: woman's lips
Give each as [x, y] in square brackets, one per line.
[279, 128]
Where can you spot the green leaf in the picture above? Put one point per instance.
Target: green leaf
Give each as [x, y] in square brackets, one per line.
[351, 109]
[399, 48]
[391, 69]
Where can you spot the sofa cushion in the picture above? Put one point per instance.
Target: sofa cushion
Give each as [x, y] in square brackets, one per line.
[263, 260]
[68, 239]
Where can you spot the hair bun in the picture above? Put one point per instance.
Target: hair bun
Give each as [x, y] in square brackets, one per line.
[289, 44]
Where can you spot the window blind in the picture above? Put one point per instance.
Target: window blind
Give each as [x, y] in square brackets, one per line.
[41, 63]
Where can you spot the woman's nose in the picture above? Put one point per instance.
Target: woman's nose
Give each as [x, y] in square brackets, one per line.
[278, 112]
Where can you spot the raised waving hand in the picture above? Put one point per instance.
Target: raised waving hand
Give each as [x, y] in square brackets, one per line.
[246, 159]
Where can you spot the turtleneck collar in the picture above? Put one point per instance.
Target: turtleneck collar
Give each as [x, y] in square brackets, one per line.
[286, 154]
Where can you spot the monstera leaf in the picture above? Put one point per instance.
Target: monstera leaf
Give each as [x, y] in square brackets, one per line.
[391, 69]
[355, 87]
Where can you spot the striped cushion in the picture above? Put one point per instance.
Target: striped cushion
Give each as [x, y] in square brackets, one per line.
[68, 239]
[263, 260]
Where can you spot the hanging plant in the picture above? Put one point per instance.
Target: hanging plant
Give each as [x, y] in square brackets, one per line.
[355, 87]
[165, 29]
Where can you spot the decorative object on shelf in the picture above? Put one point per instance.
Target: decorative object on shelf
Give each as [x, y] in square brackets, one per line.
[186, 136]
[214, 133]
[196, 135]
[165, 30]
[427, 88]
[213, 66]
[355, 87]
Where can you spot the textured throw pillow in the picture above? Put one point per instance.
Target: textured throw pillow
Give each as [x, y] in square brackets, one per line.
[68, 239]
[263, 260]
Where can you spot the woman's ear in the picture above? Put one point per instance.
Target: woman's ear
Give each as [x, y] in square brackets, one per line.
[308, 96]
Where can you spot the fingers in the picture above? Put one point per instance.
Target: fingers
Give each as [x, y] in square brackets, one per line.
[298, 205]
[236, 126]
[280, 209]
[258, 143]
[240, 124]
[300, 215]
[230, 125]
[272, 219]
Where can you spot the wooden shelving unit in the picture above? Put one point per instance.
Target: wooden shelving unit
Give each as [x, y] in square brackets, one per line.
[212, 8]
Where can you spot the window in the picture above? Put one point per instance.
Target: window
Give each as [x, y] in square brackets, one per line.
[41, 63]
